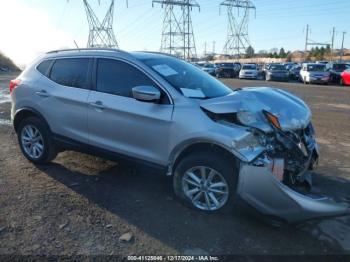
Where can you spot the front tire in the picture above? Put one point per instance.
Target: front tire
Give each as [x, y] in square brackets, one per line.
[206, 182]
[34, 138]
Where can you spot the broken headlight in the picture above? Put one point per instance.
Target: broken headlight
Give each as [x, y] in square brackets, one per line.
[246, 118]
[248, 146]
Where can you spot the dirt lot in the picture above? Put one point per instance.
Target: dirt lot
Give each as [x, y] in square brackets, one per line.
[82, 205]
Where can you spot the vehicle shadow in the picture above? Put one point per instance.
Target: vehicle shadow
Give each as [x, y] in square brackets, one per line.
[146, 200]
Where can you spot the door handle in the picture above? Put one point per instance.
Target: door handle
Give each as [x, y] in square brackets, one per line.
[98, 105]
[42, 93]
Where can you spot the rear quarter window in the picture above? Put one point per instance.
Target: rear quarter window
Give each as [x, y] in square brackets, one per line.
[72, 72]
[44, 67]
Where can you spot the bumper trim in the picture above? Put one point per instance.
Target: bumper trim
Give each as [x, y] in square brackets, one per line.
[259, 188]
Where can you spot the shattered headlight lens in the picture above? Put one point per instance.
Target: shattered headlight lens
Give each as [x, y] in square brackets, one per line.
[246, 118]
[248, 142]
[248, 147]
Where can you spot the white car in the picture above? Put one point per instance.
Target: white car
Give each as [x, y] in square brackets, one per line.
[314, 73]
[249, 71]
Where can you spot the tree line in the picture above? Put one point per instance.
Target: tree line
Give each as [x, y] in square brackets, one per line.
[318, 53]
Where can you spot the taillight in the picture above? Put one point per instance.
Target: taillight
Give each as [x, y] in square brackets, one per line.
[13, 84]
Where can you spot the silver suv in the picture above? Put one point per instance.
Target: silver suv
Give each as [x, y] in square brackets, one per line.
[217, 143]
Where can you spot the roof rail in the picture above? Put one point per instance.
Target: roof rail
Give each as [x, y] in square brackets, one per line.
[85, 49]
[157, 53]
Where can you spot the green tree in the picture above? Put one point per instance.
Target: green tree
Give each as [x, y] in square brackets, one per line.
[282, 53]
[250, 52]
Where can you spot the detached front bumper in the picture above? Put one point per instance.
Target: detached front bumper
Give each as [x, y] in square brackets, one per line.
[260, 187]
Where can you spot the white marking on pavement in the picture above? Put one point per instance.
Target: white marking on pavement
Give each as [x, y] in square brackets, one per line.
[5, 122]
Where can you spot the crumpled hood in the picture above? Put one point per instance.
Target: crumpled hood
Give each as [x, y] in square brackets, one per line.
[292, 112]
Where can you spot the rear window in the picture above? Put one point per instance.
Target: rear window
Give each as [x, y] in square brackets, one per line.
[71, 72]
[43, 67]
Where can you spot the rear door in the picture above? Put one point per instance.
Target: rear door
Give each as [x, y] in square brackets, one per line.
[64, 99]
[121, 124]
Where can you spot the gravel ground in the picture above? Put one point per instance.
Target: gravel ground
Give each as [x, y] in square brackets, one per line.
[83, 205]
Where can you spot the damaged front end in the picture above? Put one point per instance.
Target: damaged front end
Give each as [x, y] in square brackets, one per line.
[276, 157]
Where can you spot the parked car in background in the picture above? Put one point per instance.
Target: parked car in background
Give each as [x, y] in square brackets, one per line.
[322, 62]
[4, 69]
[229, 70]
[200, 64]
[209, 68]
[249, 71]
[289, 65]
[294, 72]
[314, 73]
[345, 77]
[335, 70]
[277, 72]
[264, 69]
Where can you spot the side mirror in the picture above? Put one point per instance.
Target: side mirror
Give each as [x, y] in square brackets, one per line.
[146, 93]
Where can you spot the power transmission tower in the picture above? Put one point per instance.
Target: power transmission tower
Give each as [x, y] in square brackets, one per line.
[101, 34]
[237, 32]
[177, 32]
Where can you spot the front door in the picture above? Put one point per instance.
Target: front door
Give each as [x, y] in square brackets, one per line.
[119, 123]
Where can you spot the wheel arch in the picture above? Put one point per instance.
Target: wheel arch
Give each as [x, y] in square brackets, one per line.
[201, 146]
[24, 113]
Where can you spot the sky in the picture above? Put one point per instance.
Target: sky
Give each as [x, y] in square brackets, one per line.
[29, 28]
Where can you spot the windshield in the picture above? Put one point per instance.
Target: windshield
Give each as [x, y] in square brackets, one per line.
[316, 68]
[186, 78]
[227, 65]
[340, 67]
[209, 66]
[277, 67]
[249, 67]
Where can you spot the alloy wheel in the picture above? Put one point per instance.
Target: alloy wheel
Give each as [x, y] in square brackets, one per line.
[205, 187]
[32, 141]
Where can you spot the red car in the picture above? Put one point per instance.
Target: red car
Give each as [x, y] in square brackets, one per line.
[345, 77]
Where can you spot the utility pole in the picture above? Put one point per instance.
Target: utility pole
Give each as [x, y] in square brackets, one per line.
[237, 33]
[177, 32]
[214, 43]
[309, 42]
[332, 48]
[205, 49]
[307, 37]
[306, 41]
[342, 47]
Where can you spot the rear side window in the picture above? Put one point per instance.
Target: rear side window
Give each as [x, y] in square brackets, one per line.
[44, 66]
[118, 78]
[71, 72]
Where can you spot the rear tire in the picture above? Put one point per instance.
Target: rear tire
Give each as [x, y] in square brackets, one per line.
[35, 140]
[220, 169]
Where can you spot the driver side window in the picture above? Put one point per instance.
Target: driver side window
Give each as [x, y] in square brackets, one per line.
[118, 78]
